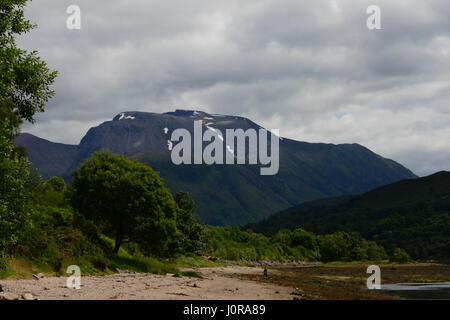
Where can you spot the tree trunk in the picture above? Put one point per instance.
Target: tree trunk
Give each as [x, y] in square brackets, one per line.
[118, 243]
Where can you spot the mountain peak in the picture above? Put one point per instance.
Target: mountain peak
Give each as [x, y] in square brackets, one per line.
[180, 113]
[128, 115]
[187, 113]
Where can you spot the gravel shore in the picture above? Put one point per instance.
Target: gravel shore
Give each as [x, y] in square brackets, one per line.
[216, 284]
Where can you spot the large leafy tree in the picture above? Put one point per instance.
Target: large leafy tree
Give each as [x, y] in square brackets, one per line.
[127, 200]
[25, 82]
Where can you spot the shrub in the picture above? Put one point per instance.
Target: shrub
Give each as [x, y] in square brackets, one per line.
[400, 256]
[375, 252]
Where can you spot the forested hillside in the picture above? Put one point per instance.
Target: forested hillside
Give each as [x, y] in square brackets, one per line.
[412, 214]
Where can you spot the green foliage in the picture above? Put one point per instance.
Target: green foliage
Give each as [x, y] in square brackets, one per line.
[187, 224]
[400, 256]
[232, 243]
[52, 192]
[411, 214]
[192, 260]
[334, 247]
[191, 274]
[301, 237]
[25, 79]
[55, 238]
[51, 238]
[342, 246]
[14, 202]
[25, 82]
[126, 199]
[375, 252]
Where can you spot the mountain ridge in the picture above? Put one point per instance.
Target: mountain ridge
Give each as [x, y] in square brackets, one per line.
[308, 171]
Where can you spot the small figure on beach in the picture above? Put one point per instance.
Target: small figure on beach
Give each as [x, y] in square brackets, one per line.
[265, 272]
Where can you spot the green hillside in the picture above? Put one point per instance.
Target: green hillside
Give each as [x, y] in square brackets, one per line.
[411, 214]
[238, 194]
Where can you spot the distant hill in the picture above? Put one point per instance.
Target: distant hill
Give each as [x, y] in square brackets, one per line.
[225, 194]
[52, 159]
[412, 214]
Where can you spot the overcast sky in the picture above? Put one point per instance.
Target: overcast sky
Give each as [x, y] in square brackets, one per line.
[310, 68]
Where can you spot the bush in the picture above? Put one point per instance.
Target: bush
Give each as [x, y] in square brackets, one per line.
[375, 252]
[52, 192]
[400, 256]
[359, 254]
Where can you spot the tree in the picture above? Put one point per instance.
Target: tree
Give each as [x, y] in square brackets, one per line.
[301, 237]
[25, 79]
[283, 237]
[126, 199]
[14, 174]
[25, 82]
[336, 246]
[375, 252]
[187, 224]
[400, 256]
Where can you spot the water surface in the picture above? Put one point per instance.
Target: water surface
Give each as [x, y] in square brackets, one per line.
[439, 290]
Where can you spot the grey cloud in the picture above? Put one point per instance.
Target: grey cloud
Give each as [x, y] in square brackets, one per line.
[310, 68]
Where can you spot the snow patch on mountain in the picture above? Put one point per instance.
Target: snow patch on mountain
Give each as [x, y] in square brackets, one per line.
[208, 125]
[124, 116]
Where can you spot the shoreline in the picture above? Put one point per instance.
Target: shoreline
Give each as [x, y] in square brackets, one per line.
[283, 282]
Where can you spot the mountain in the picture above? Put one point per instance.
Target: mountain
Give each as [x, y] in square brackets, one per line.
[226, 194]
[52, 159]
[412, 214]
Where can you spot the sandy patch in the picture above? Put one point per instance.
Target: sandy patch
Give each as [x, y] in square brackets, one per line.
[216, 284]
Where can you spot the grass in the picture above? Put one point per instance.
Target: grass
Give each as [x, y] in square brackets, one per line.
[125, 261]
[193, 261]
[143, 264]
[191, 274]
[21, 268]
[62, 246]
[355, 263]
[24, 268]
[343, 278]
